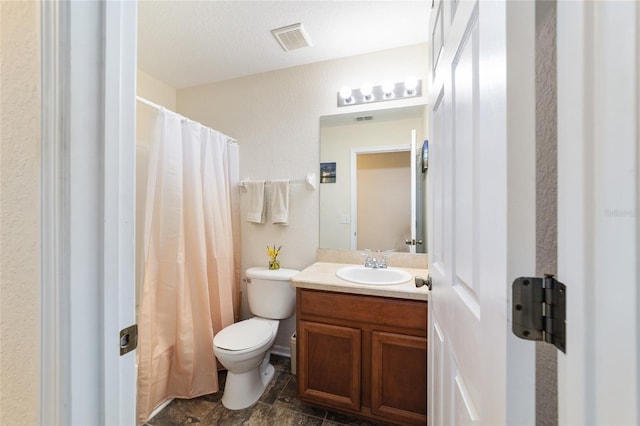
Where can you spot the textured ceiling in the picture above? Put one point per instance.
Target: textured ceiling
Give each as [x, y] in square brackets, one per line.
[189, 43]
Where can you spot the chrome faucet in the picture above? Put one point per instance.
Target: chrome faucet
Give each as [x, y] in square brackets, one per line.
[372, 262]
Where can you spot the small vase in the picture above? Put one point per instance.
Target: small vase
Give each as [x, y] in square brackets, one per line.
[274, 264]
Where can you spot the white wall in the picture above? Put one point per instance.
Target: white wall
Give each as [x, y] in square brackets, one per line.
[275, 118]
[19, 212]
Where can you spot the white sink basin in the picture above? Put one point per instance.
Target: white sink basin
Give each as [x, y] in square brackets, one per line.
[373, 276]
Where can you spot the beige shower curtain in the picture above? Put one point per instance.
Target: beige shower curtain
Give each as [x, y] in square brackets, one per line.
[190, 278]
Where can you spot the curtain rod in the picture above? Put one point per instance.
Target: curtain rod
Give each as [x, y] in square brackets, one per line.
[148, 103]
[160, 107]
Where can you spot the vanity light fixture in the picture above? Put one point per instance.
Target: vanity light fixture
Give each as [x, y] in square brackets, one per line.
[388, 91]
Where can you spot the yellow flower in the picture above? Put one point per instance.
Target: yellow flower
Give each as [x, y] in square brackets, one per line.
[273, 252]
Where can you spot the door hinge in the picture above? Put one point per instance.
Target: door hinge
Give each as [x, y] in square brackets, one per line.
[539, 310]
[128, 339]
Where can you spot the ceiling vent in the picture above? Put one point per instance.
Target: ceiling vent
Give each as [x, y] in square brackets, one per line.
[292, 37]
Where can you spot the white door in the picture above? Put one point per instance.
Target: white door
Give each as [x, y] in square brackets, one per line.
[598, 206]
[481, 210]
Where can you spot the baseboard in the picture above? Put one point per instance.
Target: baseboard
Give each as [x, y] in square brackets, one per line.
[281, 350]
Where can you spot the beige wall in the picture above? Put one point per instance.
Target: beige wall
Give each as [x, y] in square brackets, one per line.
[337, 142]
[274, 116]
[155, 90]
[19, 212]
[384, 201]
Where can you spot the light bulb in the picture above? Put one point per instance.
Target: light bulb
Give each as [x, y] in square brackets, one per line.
[387, 88]
[345, 93]
[366, 91]
[410, 85]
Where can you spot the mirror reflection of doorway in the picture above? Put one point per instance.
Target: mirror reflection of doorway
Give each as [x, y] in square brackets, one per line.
[383, 200]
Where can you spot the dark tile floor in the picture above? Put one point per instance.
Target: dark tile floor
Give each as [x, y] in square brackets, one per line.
[277, 406]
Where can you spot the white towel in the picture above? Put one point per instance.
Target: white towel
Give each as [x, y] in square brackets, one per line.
[255, 203]
[280, 202]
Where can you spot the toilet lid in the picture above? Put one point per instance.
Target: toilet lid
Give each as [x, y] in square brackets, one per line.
[243, 335]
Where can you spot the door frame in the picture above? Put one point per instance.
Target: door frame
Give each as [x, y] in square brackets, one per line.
[598, 206]
[88, 75]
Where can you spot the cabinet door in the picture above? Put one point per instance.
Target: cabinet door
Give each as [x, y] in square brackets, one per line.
[329, 364]
[399, 377]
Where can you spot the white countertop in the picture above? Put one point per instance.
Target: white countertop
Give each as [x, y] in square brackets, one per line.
[322, 276]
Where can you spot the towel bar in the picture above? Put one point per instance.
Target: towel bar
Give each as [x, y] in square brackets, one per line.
[309, 180]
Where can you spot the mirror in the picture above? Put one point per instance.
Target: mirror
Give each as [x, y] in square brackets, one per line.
[370, 195]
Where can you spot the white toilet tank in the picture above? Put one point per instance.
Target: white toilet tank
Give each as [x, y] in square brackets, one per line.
[270, 293]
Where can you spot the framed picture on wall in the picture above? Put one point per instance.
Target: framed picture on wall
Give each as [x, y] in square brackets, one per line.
[425, 156]
[327, 172]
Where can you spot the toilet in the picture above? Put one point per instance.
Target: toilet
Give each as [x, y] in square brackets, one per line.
[243, 348]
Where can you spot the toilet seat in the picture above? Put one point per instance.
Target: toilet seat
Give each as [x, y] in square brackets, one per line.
[244, 335]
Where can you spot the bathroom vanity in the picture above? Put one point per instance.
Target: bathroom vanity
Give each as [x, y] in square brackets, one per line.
[362, 349]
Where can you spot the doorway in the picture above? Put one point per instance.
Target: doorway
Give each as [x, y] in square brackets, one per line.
[382, 215]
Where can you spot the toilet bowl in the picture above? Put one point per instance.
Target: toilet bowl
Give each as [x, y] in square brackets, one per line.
[243, 348]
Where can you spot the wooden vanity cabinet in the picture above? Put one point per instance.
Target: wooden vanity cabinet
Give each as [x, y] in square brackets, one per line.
[363, 355]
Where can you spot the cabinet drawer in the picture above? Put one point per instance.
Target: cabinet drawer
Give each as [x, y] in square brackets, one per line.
[406, 314]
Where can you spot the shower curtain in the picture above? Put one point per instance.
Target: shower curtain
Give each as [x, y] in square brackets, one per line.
[190, 276]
